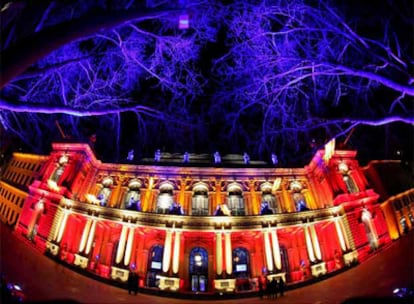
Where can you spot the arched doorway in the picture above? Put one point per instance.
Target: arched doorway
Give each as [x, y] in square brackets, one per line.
[241, 268]
[198, 269]
[285, 262]
[154, 267]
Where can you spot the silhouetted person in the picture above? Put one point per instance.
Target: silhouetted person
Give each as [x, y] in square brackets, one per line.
[281, 286]
[274, 288]
[136, 283]
[261, 291]
[133, 283]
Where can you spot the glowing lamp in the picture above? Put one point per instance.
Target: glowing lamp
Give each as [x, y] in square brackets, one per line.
[184, 22]
[197, 259]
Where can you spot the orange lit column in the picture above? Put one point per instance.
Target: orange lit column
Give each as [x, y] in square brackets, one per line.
[287, 199]
[255, 202]
[116, 192]
[147, 197]
[218, 199]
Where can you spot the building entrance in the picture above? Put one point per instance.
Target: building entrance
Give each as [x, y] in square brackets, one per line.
[198, 269]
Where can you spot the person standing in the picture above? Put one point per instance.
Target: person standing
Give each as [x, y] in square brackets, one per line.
[261, 291]
[135, 283]
[281, 286]
[130, 282]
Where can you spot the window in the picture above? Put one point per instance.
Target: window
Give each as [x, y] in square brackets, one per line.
[347, 178]
[154, 265]
[241, 263]
[132, 199]
[198, 269]
[199, 203]
[298, 197]
[165, 198]
[235, 200]
[105, 192]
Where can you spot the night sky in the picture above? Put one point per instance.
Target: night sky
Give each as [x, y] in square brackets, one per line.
[243, 78]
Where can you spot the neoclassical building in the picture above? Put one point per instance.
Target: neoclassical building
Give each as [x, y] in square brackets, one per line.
[199, 226]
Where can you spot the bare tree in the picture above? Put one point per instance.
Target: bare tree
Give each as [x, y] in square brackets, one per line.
[267, 76]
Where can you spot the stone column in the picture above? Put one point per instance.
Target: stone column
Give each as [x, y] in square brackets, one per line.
[128, 249]
[276, 250]
[176, 255]
[229, 259]
[219, 253]
[315, 242]
[62, 226]
[167, 251]
[340, 234]
[121, 244]
[268, 250]
[309, 244]
[85, 235]
[90, 237]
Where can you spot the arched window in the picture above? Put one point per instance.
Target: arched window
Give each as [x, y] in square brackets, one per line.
[154, 267]
[105, 192]
[235, 200]
[347, 178]
[57, 174]
[270, 203]
[198, 268]
[132, 199]
[165, 198]
[199, 203]
[298, 197]
[241, 265]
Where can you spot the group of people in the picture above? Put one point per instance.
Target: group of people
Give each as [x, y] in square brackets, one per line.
[272, 288]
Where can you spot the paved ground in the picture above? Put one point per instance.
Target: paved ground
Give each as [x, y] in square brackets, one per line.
[44, 280]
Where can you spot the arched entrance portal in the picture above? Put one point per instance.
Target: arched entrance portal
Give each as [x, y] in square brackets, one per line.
[154, 265]
[198, 269]
[285, 262]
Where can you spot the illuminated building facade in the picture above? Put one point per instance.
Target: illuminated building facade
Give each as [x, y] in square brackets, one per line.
[198, 227]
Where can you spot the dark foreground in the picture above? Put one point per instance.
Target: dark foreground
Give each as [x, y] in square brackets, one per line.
[43, 280]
